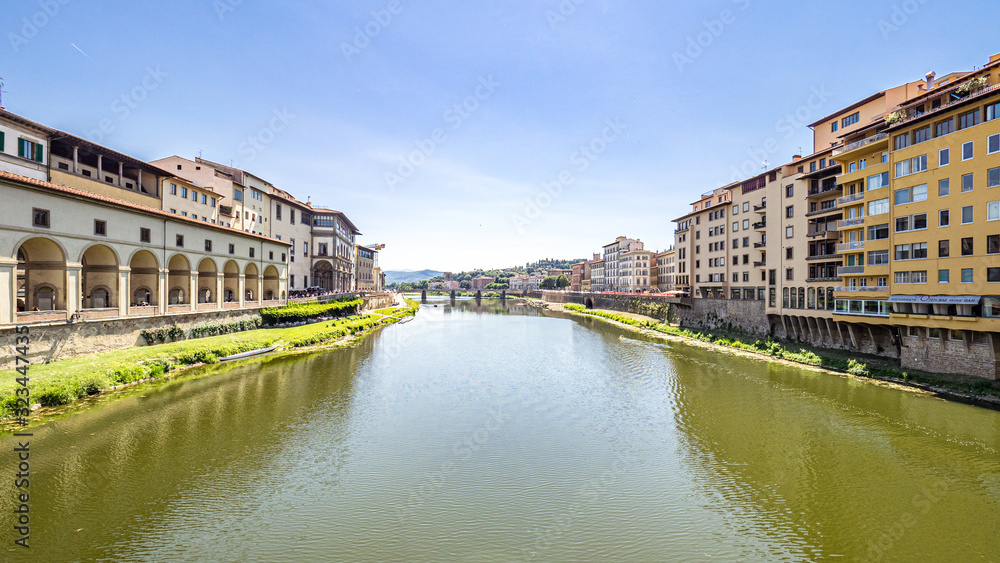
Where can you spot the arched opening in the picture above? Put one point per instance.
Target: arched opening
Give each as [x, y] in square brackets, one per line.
[144, 278]
[231, 283]
[178, 280]
[252, 279]
[589, 303]
[323, 275]
[99, 277]
[207, 278]
[41, 276]
[271, 283]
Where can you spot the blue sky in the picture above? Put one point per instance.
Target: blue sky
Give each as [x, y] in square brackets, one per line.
[485, 134]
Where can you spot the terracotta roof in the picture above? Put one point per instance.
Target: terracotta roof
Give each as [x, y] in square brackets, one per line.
[122, 203]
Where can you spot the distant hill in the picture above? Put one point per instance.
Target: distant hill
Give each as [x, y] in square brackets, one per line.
[402, 276]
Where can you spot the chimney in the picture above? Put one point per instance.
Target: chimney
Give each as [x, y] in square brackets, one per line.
[796, 157]
[930, 79]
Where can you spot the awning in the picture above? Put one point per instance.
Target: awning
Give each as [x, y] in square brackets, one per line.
[937, 299]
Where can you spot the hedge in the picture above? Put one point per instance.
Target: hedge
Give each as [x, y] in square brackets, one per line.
[298, 312]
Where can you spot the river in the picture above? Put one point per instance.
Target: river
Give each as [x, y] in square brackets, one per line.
[499, 432]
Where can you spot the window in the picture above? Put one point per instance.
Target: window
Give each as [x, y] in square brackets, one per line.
[851, 167]
[291, 216]
[993, 211]
[943, 128]
[862, 164]
[944, 218]
[833, 127]
[788, 253]
[40, 217]
[790, 190]
[790, 211]
[911, 166]
[915, 251]
[736, 226]
[993, 177]
[746, 223]
[270, 255]
[789, 232]
[232, 249]
[944, 276]
[144, 235]
[968, 119]
[944, 248]
[992, 111]
[173, 189]
[966, 214]
[237, 195]
[944, 157]
[944, 187]
[910, 195]
[911, 277]
[993, 244]
[901, 141]
[993, 144]
[789, 274]
[966, 275]
[184, 193]
[277, 211]
[174, 211]
[921, 135]
[252, 252]
[967, 182]
[911, 222]
[993, 275]
[850, 119]
[746, 242]
[878, 232]
[204, 199]
[100, 228]
[967, 246]
[30, 150]
[968, 150]
[878, 207]
[179, 241]
[878, 257]
[877, 181]
[212, 202]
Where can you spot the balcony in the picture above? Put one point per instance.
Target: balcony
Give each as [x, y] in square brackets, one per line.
[859, 144]
[847, 223]
[761, 264]
[851, 198]
[824, 279]
[760, 208]
[827, 257]
[828, 233]
[830, 209]
[862, 289]
[851, 270]
[849, 246]
[824, 189]
[760, 225]
[761, 244]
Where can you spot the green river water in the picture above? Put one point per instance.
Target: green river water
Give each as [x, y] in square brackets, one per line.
[496, 432]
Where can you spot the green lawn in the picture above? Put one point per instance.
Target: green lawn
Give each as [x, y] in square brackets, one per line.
[64, 381]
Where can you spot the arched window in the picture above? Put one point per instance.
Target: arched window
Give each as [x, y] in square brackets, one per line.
[100, 298]
[143, 296]
[176, 296]
[45, 298]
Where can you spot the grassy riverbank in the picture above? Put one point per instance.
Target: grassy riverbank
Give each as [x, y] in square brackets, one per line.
[65, 381]
[960, 387]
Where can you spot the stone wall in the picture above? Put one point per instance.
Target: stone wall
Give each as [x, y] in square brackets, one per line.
[949, 356]
[655, 306]
[50, 342]
[733, 316]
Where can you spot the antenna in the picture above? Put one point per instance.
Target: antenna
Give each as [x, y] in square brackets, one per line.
[199, 153]
[1, 92]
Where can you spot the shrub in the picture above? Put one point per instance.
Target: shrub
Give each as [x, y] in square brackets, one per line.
[55, 397]
[298, 312]
[92, 385]
[857, 368]
[149, 336]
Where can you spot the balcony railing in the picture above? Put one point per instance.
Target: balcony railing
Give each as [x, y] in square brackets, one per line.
[760, 225]
[827, 257]
[759, 244]
[760, 264]
[824, 189]
[824, 279]
[864, 289]
[855, 222]
[851, 198]
[761, 207]
[849, 246]
[850, 270]
[858, 144]
[830, 232]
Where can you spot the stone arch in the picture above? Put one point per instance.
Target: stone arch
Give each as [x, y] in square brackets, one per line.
[271, 283]
[99, 278]
[207, 278]
[231, 283]
[41, 264]
[323, 275]
[588, 303]
[251, 277]
[144, 278]
[178, 280]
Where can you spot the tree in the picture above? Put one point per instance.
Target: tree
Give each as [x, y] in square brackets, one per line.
[562, 281]
[548, 283]
[465, 284]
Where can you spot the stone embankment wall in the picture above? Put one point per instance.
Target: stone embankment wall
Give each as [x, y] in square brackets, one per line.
[655, 306]
[57, 341]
